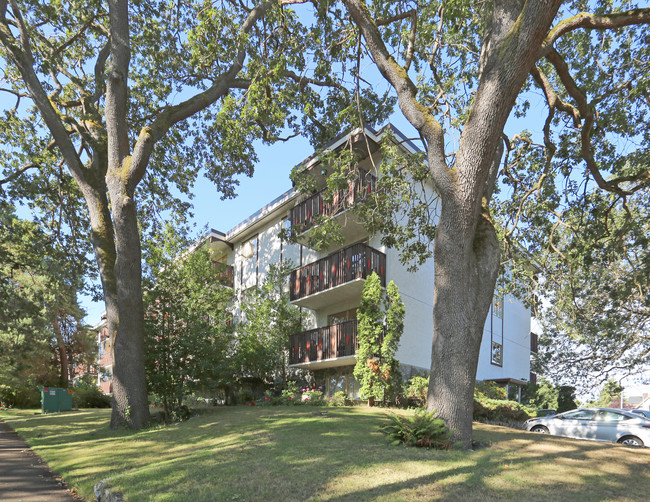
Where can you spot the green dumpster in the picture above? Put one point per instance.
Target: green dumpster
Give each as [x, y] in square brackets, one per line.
[55, 399]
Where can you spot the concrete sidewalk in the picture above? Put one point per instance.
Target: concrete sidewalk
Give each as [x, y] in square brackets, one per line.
[23, 474]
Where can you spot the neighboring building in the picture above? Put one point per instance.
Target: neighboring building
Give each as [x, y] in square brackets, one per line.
[645, 403]
[327, 285]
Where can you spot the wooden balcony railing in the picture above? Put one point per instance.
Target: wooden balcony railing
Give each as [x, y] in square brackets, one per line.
[354, 262]
[320, 344]
[305, 214]
[223, 273]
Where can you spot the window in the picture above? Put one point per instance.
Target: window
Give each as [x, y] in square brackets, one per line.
[580, 415]
[497, 354]
[339, 317]
[497, 307]
[496, 331]
[249, 270]
[611, 416]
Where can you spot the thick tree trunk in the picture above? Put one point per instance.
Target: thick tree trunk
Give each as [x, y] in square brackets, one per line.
[467, 265]
[118, 258]
[130, 402]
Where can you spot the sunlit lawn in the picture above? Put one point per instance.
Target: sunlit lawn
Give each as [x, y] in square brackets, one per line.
[297, 453]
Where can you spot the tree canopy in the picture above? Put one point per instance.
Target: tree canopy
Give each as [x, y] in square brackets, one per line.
[118, 106]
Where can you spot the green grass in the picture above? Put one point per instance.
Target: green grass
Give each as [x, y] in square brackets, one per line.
[294, 453]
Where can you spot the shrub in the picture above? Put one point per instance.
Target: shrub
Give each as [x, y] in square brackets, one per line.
[88, 395]
[20, 397]
[244, 396]
[500, 411]
[416, 391]
[422, 429]
[313, 397]
[491, 390]
[339, 399]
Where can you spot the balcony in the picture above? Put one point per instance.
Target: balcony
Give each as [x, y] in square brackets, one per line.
[223, 273]
[305, 215]
[336, 278]
[324, 347]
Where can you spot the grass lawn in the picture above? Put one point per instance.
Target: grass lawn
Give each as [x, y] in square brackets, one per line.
[295, 453]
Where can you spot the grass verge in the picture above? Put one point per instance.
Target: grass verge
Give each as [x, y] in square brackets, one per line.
[297, 453]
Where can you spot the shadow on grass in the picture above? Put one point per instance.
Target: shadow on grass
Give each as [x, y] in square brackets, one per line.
[298, 453]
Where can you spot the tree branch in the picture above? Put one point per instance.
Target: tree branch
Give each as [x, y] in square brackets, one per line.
[176, 113]
[594, 22]
[20, 52]
[588, 116]
[20, 171]
[56, 51]
[397, 76]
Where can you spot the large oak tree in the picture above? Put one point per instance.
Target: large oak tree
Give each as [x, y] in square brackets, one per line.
[118, 102]
[459, 69]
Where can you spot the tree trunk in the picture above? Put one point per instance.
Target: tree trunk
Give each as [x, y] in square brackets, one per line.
[130, 402]
[467, 265]
[63, 352]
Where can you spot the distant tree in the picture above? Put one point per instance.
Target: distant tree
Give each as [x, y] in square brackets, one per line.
[566, 398]
[596, 319]
[42, 337]
[262, 342]
[611, 392]
[543, 395]
[187, 322]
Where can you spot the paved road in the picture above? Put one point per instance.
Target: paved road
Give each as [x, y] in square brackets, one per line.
[23, 475]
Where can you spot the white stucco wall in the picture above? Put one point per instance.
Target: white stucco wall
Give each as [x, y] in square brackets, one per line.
[516, 343]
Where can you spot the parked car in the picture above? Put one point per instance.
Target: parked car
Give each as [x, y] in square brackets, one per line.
[598, 424]
[643, 413]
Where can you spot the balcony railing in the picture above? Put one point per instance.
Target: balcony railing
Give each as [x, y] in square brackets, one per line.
[305, 215]
[320, 344]
[354, 262]
[223, 273]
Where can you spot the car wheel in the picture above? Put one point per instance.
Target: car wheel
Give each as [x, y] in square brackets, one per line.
[540, 429]
[631, 441]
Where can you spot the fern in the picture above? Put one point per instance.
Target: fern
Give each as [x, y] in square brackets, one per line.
[422, 429]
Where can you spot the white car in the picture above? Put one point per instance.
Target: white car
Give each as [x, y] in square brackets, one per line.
[643, 413]
[598, 424]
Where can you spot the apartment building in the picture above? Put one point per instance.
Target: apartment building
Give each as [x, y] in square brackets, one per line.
[104, 357]
[327, 284]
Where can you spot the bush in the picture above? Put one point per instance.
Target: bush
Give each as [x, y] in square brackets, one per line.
[500, 411]
[416, 391]
[88, 395]
[20, 397]
[490, 390]
[313, 397]
[291, 394]
[339, 399]
[422, 429]
[244, 396]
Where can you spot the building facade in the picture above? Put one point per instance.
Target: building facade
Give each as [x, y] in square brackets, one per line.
[327, 285]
